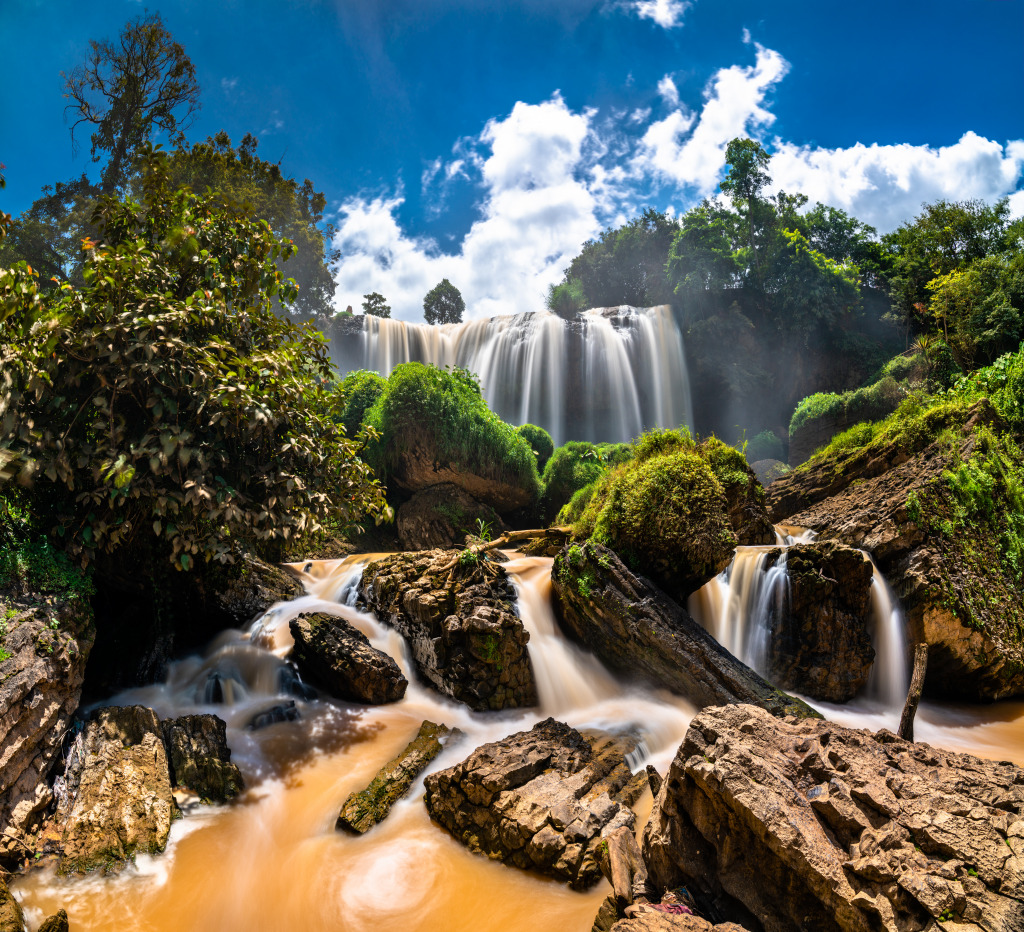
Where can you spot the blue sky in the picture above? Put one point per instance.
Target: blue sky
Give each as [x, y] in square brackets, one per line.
[485, 141]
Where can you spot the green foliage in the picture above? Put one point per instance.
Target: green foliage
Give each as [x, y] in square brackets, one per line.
[567, 299]
[540, 442]
[41, 567]
[869, 404]
[571, 467]
[375, 305]
[443, 304]
[765, 446]
[574, 509]
[164, 401]
[468, 559]
[446, 405]
[359, 391]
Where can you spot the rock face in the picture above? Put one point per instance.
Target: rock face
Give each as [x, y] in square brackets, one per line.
[58, 922]
[118, 800]
[442, 516]
[747, 512]
[540, 799]
[665, 922]
[199, 757]
[12, 919]
[868, 500]
[253, 587]
[363, 810]
[461, 626]
[786, 825]
[820, 644]
[636, 629]
[331, 653]
[40, 689]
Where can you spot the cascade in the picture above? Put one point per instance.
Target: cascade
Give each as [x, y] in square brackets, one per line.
[607, 375]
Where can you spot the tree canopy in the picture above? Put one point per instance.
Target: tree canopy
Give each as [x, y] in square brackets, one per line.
[443, 304]
[375, 305]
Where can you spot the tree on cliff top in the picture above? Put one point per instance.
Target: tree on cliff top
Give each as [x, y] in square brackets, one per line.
[443, 304]
[375, 305]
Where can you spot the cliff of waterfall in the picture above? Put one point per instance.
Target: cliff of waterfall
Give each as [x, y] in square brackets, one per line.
[457, 613]
[639, 631]
[936, 494]
[785, 824]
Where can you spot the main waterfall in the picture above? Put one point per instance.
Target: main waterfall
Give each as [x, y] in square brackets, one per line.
[607, 375]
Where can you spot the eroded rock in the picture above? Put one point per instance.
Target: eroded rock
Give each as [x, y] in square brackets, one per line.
[199, 757]
[332, 654]
[12, 919]
[810, 825]
[461, 625]
[250, 587]
[442, 516]
[58, 922]
[539, 799]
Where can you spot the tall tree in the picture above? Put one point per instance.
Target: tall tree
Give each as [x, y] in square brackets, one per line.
[375, 305]
[130, 89]
[443, 304]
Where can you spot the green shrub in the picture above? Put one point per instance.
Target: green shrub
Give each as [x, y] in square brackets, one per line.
[540, 442]
[360, 391]
[571, 467]
[573, 510]
[765, 446]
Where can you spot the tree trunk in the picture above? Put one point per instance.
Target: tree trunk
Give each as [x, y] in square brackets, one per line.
[914, 694]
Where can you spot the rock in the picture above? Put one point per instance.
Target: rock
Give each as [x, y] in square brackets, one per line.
[199, 757]
[667, 922]
[767, 471]
[282, 712]
[810, 825]
[442, 516]
[12, 919]
[461, 625]
[56, 923]
[819, 642]
[540, 799]
[49, 641]
[363, 810]
[252, 586]
[118, 800]
[334, 655]
[747, 512]
[623, 866]
[636, 629]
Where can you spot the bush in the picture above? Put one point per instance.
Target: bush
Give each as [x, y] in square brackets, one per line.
[359, 391]
[765, 446]
[571, 467]
[864, 404]
[540, 442]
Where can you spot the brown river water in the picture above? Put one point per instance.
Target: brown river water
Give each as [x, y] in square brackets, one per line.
[272, 860]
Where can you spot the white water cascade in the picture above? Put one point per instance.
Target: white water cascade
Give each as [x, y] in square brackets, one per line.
[608, 375]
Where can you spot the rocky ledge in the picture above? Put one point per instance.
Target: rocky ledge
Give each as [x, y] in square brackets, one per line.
[539, 799]
[460, 621]
[787, 825]
[442, 516]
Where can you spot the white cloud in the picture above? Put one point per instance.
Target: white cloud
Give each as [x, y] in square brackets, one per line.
[668, 91]
[885, 185]
[733, 107]
[666, 13]
[228, 84]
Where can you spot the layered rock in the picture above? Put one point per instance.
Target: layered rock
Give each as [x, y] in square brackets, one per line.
[540, 799]
[331, 653]
[118, 799]
[820, 643]
[58, 922]
[199, 758]
[442, 516]
[364, 809]
[49, 641]
[636, 629]
[460, 622]
[787, 824]
[654, 921]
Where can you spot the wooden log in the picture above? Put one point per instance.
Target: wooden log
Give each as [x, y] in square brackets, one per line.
[906, 730]
[509, 537]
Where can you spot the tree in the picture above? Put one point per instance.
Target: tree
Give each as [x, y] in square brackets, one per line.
[375, 306]
[443, 304]
[130, 89]
[566, 299]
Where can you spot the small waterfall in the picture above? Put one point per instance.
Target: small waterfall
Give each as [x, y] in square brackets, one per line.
[889, 677]
[607, 375]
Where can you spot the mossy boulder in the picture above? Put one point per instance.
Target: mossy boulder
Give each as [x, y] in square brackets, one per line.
[574, 466]
[360, 389]
[540, 442]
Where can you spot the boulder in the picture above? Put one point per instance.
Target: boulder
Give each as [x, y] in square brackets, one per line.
[12, 919]
[199, 757]
[804, 824]
[820, 642]
[638, 630]
[48, 641]
[58, 922]
[332, 654]
[282, 712]
[363, 810]
[251, 586]
[460, 623]
[666, 922]
[748, 515]
[442, 516]
[118, 799]
[540, 799]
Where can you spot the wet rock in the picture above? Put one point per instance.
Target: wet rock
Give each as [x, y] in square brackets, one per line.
[12, 919]
[252, 586]
[290, 682]
[56, 923]
[199, 757]
[810, 825]
[118, 801]
[748, 515]
[49, 641]
[282, 712]
[540, 799]
[819, 641]
[639, 631]
[442, 516]
[461, 625]
[363, 810]
[340, 659]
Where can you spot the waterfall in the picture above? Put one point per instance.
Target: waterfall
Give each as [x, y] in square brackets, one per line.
[607, 375]
[889, 679]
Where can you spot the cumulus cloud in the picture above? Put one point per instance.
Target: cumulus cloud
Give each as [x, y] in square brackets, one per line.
[668, 91]
[666, 13]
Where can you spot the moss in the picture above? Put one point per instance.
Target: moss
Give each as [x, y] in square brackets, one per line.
[540, 442]
[572, 466]
[871, 403]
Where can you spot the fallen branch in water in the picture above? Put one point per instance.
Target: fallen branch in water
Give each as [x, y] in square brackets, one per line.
[509, 537]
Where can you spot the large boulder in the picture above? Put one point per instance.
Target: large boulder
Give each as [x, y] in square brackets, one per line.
[540, 799]
[460, 622]
[791, 825]
[636, 629]
[12, 919]
[819, 642]
[251, 586]
[117, 800]
[48, 642]
[335, 656]
[442, 516]
[199, 757]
